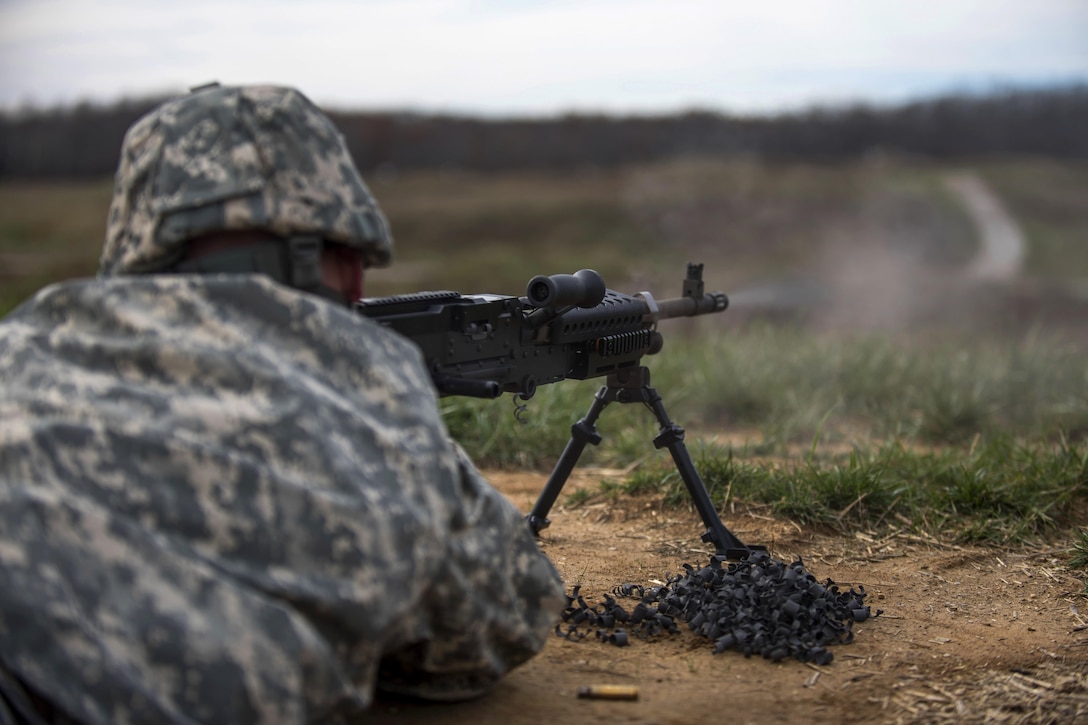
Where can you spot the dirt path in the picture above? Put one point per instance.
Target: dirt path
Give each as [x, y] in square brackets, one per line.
[1001, 243]
[967, 634]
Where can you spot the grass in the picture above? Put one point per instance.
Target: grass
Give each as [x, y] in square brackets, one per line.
[515, 226]
[1049, 200]
[497, 435]
[476, 232]
[986, 441]
[876, 421]
[794, 384]
[1079, 559]
[48, 232]
[998, 491]
[786, 387]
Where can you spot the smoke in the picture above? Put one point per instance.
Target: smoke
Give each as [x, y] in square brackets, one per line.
[891, 268]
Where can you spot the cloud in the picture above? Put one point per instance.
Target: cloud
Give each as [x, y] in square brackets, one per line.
[529, 56]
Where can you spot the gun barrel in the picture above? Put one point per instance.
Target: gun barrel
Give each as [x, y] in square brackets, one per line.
[691, 306]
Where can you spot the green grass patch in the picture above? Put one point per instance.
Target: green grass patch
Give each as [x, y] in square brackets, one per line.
[1079, 559]
[1000, 491]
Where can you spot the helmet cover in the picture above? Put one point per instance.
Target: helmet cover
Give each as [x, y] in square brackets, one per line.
[236, 158]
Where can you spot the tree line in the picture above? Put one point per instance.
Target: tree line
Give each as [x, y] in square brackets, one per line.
[84, 141]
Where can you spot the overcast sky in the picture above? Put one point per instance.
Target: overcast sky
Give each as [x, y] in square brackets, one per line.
[519, 57]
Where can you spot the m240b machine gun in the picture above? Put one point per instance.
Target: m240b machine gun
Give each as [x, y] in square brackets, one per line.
[567, 326]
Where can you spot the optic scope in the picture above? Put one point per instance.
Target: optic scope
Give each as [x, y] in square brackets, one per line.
[585, 288]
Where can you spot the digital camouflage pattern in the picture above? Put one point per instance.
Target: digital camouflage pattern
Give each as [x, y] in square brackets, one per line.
[236, 158]
[223, 500]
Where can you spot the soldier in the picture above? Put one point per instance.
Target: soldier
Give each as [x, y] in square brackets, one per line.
[223, 496]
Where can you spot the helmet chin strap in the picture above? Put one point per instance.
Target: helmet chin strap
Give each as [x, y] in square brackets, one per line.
[295, 262]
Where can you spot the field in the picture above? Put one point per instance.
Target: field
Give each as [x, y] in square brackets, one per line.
[885, 398]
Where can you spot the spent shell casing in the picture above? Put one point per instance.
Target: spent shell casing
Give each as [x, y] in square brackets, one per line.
[609, 692]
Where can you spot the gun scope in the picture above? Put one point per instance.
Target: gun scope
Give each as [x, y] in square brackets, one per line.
[585, 288]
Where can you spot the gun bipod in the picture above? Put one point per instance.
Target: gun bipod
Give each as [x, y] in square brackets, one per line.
[633, 386]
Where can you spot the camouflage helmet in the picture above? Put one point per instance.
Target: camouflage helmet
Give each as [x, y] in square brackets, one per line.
[236, 158]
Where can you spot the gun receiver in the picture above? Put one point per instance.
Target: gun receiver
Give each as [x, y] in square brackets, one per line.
[566, 326]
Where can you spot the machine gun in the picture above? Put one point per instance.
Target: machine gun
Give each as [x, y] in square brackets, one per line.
[566, 326]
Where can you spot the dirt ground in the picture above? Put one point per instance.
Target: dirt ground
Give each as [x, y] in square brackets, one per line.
[966, 634]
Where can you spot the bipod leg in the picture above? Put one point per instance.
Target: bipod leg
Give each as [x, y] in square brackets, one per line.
[581, 433]
[671, 436]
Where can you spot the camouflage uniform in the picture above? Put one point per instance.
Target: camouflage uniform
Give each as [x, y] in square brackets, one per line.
[225, 500]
